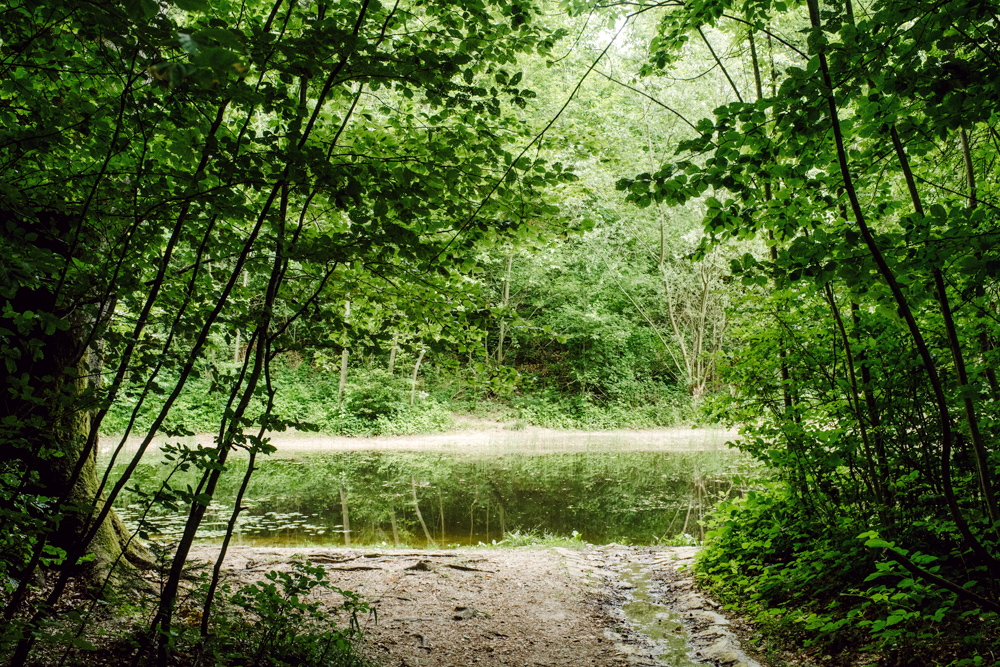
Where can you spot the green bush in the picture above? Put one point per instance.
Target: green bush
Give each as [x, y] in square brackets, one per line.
[550, 409]
[374, 403]
[274, 623]
[813, 584]
[376, 395]
[377, 403]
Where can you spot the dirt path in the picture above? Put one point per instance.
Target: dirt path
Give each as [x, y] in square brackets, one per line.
[507, 607]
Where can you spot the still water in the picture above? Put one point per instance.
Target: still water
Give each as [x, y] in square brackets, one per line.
[440, 499]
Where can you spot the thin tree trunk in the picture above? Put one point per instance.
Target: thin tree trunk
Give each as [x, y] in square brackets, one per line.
[395, 528]
[472, 515]
[416, 507]
[722, 67]
[874, 482]
[701, 513]
[904, 307]
[786, 390]
[441, 510]
[229, 431]
[416, 369]
[966, 389]
[673, 521]
[346, 517]
[873, 414]
[985, 345]
[504, 304]
[204, 494]
[206, 611]
[343, 358]
[237, 343]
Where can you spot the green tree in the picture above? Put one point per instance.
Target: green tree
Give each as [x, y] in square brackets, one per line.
[175, 174]
[867, 168]
[634, 315]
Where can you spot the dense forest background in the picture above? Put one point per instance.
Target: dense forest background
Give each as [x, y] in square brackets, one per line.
[359, 217]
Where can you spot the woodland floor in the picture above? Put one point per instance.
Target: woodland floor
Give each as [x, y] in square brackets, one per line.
[524, 607]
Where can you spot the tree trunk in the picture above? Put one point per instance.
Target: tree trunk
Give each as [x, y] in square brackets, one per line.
[343, 358]
[46, 419]
[416, 508]
[916, 333]
[416, 369]
[346, 516]
[441, 510]
[395, 528]
[504, 304]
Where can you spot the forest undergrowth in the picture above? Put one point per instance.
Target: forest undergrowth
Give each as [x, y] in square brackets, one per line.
[377, 403]
[834, 590]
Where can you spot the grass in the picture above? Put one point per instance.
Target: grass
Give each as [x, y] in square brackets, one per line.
[539, 539]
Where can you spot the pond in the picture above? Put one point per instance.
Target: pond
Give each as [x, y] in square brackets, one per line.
[398, 498]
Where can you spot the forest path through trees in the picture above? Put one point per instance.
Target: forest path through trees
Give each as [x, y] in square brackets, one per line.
[503, 607]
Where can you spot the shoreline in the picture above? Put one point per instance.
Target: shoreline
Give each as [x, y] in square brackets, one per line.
[490, 440]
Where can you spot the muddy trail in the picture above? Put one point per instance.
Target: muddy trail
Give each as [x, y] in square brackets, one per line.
[608, 605]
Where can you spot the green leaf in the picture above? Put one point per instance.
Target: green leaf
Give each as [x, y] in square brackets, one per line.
[188, 44]
[222, 36]
[879, 543]
[218, 58]
[193, 5]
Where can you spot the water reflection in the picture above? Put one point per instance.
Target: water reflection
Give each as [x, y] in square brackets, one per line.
[401, 498]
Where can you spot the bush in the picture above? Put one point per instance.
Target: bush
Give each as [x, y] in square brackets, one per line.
[376, 395]
[377, 403]
[824, 585]
[275, 624]
[374, 403]
[550, 409]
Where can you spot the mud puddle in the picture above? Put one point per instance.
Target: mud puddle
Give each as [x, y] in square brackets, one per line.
[663, 626]
[658, 618]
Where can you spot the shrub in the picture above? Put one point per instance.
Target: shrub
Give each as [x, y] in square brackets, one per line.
[823, 584]
[275, 624]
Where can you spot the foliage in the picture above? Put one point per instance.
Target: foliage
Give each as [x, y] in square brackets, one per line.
[678, 540]
[191, 192]
[533, 538]
[281, 621]
[374, 403]
[189, 183]
[619, 314]
[818, 585]
[860, 162]
[551, 409]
